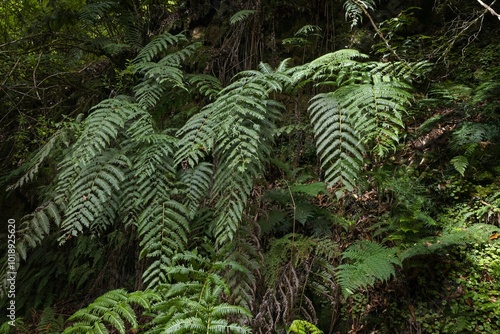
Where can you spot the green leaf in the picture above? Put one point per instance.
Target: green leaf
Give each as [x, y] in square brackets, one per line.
[311, 189]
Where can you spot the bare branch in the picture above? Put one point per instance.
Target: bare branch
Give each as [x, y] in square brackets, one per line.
[491, 10]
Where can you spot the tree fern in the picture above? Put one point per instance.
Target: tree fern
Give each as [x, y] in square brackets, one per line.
[367, 262]
[119, 167]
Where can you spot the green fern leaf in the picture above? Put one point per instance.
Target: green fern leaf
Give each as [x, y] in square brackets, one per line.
[477, 233]
[460, 164]
[207, 85]
[241, 16]
[338, 141]
[198, 181]
[94, 196]
[31, 169]
[93, 12]
[311, 189]
[309, 30]
[244, 118]
[368, 262]
[163, 228]
[158, 46]
[112, 309]
[34, 227]
[353, 10]
[382, 104]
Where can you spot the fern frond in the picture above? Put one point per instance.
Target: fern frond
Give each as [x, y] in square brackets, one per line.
[460, 163]
[157, 79]
[324, 68]
[353, 11]
[368, 262]
[197, 138]
[309, 30]
[151, 176]
[36, 226]
[101, 128]
[198, 182]
[338, 141]
[94, 199]
[31, 168]
[163, 228]
[382, 105]
[241, 16]
[113, 309]
[93, 12]
[242, 267]
[238, 127]
[457, 236]
[486, 90]
[472, 133]
[160, 68]
[403, 71]
[207, 85]
[195, 305]
[157, 47]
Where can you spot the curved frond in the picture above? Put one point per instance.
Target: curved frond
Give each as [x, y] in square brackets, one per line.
[241, 16]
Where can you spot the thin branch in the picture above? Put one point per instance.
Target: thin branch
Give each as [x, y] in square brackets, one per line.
[491, 10]
[35, 86]
[459, 32]
[377, 30]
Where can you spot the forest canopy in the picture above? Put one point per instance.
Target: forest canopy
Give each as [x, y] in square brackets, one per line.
[212, 166]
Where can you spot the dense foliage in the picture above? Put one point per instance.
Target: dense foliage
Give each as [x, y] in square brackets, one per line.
[251, 166]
